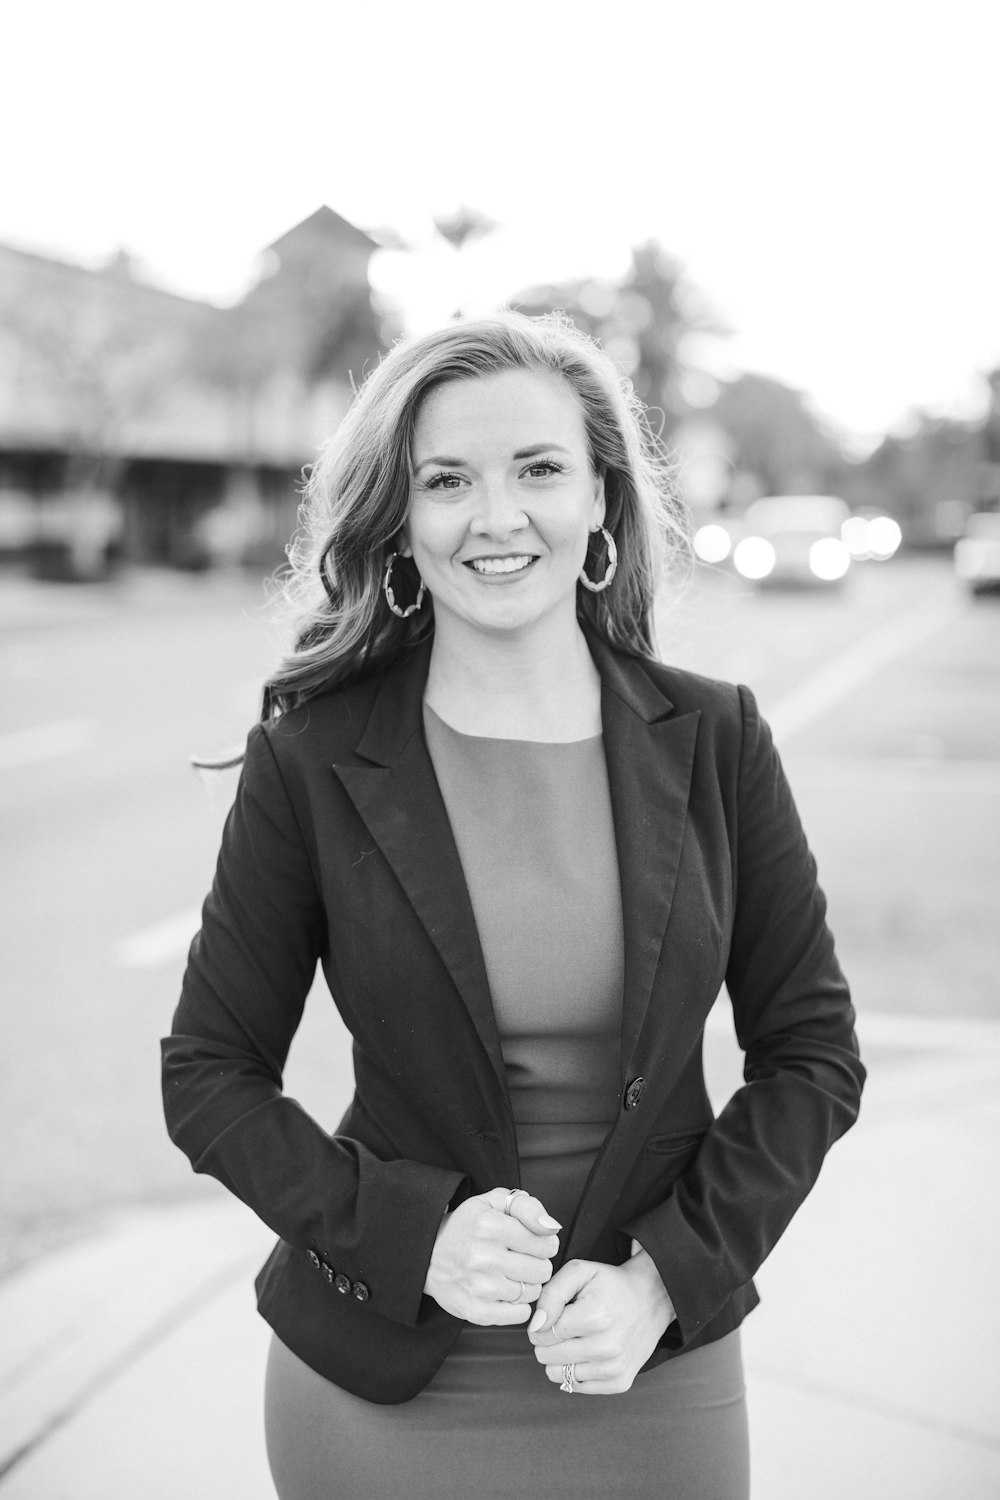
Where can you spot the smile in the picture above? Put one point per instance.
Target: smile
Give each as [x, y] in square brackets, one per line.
[495, 565]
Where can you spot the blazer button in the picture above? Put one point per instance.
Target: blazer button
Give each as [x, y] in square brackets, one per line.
[327, 1271]
[361, 1291]
[343, 1284]
[634, 1092]
[314, 1258]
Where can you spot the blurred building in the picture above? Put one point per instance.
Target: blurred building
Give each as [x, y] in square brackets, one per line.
[140, 424]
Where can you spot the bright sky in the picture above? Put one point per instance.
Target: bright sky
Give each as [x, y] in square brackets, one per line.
[827, 173]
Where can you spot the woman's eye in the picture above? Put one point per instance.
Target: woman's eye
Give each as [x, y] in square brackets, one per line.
[542, 469]
[444, 482]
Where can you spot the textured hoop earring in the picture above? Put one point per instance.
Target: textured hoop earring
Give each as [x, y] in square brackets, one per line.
[612, 568]
[390, 597]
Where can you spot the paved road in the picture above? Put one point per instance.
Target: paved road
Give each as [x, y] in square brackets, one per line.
[884, 700]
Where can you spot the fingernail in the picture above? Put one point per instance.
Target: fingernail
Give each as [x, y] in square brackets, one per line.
[548, 1222]
[537, 1320]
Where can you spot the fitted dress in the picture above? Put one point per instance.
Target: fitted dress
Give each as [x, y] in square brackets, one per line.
[533, 826]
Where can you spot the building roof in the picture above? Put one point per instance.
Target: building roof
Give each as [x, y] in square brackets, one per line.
[324, 226]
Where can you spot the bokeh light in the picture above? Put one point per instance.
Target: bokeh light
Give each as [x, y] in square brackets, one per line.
[829, 559]
[754, 557]
[884, 537]
[712, 543]
[855, 536]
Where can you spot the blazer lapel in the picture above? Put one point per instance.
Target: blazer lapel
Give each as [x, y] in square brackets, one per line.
[650, 754]
[396, 793]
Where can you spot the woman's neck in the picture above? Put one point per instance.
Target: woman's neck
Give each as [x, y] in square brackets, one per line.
[541, 688]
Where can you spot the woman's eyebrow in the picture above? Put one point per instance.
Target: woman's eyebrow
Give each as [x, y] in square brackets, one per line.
[540, 448]
[448, 463]
[458, 463]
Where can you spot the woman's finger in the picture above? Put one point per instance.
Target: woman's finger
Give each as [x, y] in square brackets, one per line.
[500, 1312]
[510, 1234]
[568, 1282]
[520, 1291]
[589, 1379]
[525, 1268]
[532, 1214]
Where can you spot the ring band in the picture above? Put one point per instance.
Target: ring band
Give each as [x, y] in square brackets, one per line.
[568, 1376]
[520, 1295]
[514, 1193]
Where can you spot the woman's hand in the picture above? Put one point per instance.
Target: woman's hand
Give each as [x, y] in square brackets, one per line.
[488, 1265]
[604, 1320]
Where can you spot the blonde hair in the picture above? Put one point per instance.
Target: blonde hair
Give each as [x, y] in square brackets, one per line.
[356, 496]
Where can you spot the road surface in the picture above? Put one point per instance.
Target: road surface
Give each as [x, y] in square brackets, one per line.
[884, 700]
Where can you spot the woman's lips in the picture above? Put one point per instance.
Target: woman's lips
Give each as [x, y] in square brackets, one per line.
[500, 567]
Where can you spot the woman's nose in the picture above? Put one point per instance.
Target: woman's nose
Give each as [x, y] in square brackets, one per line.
[499, 512]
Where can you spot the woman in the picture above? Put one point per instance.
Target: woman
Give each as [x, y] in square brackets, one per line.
[527, 856]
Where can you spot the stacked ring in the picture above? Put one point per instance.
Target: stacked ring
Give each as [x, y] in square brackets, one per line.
[514, 1193]
[568, 1376]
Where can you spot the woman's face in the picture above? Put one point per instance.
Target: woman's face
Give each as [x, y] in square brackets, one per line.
[501, 501]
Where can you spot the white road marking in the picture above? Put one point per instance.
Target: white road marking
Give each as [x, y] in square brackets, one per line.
[161, 943]
[29, 747]
[829, 684]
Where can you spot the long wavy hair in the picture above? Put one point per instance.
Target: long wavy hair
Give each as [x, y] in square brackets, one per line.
[357, 492]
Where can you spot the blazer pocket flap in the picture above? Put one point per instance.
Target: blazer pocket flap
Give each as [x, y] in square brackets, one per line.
[676, 1141]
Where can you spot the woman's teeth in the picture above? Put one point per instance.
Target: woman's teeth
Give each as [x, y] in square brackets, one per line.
[500, 564]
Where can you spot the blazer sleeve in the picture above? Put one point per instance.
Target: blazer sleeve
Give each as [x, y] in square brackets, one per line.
[249, 971]
[803, 1077]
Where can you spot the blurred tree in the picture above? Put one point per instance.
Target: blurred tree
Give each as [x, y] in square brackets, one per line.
[930, 478]
[464, 225]
[642, 321]
[779, 445]
[990, 474]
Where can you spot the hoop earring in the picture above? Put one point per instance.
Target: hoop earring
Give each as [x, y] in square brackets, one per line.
[390, 597]
[612, 568]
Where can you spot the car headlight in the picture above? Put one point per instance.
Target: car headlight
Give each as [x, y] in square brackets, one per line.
[712, 543]
[829, 559]
[884, 537]
[854, 534]
[754, 557]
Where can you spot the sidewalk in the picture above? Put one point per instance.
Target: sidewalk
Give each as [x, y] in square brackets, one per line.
[132, 1365]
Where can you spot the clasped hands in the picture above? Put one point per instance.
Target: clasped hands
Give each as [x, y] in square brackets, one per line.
[488, 1265]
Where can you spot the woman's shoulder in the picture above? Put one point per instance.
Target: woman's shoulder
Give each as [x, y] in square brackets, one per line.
[690, 692]
[329, 725]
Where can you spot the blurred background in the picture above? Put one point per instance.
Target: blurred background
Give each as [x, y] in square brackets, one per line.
[782, 221]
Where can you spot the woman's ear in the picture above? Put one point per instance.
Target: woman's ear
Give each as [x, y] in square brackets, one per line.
[599, 505]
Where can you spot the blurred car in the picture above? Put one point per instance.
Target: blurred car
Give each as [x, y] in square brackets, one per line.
[794, 540]
[977, 553]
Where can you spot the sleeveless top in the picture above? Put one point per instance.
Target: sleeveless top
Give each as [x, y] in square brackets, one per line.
[533, 826]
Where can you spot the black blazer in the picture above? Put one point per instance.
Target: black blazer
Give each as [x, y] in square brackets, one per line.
[338, 848]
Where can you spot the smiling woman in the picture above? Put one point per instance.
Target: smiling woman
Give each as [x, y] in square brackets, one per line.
[527, 855]
[558, 415]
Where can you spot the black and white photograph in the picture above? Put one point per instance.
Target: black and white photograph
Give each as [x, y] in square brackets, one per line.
[500, 751]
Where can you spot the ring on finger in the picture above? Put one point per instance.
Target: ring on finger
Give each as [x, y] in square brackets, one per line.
[520, 1297]
[514, 1193]
[568, 1376]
